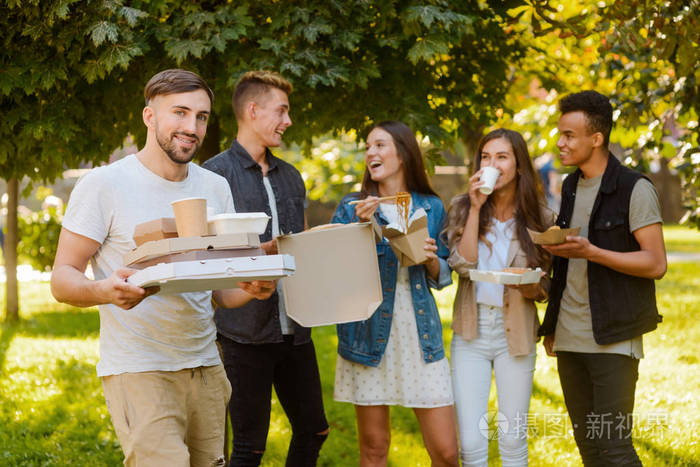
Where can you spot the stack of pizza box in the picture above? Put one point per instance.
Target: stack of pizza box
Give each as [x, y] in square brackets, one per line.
[190, 264]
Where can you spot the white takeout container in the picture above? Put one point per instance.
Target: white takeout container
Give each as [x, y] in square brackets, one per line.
[238, 222]
[531, 276]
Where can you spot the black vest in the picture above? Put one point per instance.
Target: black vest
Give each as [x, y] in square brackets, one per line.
[622, 306]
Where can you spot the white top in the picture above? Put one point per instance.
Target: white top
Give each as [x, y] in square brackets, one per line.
[402, 377]
[163, 332]
[494, 259]
[285, 323]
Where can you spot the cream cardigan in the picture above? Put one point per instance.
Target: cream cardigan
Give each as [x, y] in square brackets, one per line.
[519, 314]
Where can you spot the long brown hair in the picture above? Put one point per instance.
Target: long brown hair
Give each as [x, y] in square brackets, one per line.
[528, 201]
[409, 153]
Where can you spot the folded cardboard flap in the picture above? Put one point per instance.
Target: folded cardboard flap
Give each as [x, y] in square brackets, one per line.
[156, 229]
[409, 246]
[157, 248]
[337, 274]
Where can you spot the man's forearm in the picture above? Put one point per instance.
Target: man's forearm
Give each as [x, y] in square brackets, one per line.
[641, 263]
[231, 298]
[68, 285]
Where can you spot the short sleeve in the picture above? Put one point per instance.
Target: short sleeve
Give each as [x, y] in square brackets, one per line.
[644, 205]
[90, 207]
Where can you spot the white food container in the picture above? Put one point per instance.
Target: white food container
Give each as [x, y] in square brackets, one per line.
[238, 222]
[531, 276]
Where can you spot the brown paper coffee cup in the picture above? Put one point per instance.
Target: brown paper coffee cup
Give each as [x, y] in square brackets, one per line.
[191, 217]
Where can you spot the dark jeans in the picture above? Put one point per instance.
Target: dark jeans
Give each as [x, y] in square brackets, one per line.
[599, 394]
[292, 369]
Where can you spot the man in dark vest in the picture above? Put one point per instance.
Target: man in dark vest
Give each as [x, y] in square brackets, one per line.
[602, 298]
[262, 347]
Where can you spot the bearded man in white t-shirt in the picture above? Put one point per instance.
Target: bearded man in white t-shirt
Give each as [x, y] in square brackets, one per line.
[164, 384]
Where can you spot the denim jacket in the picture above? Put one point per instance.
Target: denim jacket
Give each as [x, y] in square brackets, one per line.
[365, 341]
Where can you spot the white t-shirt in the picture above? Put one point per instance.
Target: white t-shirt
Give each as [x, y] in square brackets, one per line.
[163, 332]
[494, 259]
[285, 322]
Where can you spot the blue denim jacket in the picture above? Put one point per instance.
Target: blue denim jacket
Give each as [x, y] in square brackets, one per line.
[365, 341]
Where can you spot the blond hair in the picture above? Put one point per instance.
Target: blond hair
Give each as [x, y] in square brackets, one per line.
[255, 83]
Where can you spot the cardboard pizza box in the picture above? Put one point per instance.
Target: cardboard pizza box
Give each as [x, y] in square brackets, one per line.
[214, 274]
[337, 274]
[157, 229]
[167, 246]
[198, 255]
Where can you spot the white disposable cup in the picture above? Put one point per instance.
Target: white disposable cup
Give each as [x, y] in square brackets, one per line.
[489, 175]
[191, 217]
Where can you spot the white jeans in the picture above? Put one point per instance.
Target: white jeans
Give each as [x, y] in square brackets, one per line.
[472, 364]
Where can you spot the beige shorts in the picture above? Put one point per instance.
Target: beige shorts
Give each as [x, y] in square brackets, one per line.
[173, 418]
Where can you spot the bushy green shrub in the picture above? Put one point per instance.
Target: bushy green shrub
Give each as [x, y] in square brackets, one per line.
[38, 238]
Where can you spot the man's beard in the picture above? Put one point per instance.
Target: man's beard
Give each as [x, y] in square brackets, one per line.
[174, 153]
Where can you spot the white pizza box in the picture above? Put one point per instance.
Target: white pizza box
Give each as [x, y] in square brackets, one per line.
[213, 274]
[167, 246]
[531, 276]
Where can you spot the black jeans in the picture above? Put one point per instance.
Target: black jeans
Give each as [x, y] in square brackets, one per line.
[293, 370]
[599, 394]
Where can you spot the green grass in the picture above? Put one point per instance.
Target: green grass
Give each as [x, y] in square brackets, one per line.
[681, 239]
[52, 410]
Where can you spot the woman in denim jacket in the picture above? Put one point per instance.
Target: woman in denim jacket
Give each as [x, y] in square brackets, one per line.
[495, 327]
[396, 357]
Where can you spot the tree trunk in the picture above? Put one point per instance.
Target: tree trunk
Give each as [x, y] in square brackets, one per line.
[11, 293]
[470, 137]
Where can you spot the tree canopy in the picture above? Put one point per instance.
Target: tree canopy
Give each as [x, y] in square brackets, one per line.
[72, 71]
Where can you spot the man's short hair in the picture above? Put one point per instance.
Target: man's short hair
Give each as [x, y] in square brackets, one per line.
[175, 81]
[595, 106]
[255, 83]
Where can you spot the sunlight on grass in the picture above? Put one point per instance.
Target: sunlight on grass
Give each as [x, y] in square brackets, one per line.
[52, 411]
[681, 239]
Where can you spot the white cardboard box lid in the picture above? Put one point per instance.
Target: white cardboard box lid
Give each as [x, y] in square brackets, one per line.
[337, 276]
[214, 274]
[500, 277]
[166, 246]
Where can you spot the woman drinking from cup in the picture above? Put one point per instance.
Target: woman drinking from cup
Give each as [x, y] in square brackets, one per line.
[396, 357]
[495, 327]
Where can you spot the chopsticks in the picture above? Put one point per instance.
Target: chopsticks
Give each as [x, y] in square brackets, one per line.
[383, 198]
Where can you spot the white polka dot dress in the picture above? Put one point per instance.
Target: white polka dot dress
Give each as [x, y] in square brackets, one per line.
[402, 377]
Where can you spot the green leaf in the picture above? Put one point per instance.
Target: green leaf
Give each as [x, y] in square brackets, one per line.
[131, 15]
[426, 48]
[180, 49]
[104, 31]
